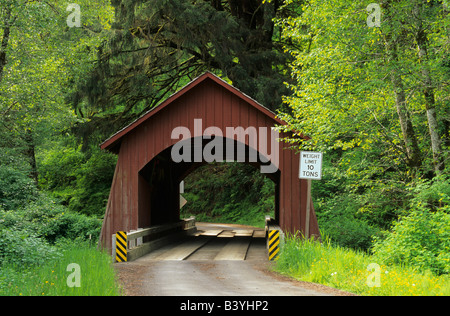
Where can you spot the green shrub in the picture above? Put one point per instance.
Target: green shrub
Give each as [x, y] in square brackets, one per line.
[433, 194]
[47, 219]
[59, 168]
[420, 240]
[71, 226]
[16, 188]
[350, 232]
[338, 218]
[81, 181]
[94, 184]
[23, 248]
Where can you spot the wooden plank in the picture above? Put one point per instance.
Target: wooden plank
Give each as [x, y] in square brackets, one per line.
[218, 105]
[259, 234]
[226, 234]
[211, 232]
[236, 249]
[209, 108]
[243, 232]
[184, 250]
[226, 121]
[134, 181]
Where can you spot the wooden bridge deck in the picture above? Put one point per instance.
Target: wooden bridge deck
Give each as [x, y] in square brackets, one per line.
[215, 244]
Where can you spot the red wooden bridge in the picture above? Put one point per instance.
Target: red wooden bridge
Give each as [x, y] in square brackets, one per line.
[206, 120]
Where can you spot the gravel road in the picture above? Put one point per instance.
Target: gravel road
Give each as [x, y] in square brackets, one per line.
[212, 278]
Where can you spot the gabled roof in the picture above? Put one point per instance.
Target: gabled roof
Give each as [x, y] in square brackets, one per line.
[112, 142]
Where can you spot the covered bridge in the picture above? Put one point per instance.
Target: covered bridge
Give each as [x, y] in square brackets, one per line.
[206, 120]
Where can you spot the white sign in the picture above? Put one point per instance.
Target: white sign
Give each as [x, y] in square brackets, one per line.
[310, 165]
[182, 201]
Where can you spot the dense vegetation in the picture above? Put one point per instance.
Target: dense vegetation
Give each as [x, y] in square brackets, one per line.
[52, 194]
[375, 100]
[235, 194]
[356, 271]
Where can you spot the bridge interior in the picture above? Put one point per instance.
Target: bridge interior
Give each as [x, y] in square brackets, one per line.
[214, 242]
[159, 180]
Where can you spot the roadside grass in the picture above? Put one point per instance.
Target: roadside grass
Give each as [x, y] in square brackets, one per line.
[354, 271]
[58, 277]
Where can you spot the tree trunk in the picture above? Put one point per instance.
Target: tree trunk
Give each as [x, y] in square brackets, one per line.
[31, 154]
[409, 137]
[5, 40]
[428, 92]
[447, 127]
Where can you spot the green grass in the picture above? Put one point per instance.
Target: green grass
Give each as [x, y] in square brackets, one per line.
[56, 278]
[347, 269]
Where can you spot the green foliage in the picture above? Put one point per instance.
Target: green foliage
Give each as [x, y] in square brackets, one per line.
[352, 84]
[93, 184]
[42, 60]
[23, 248]
[229, 193]
[317, 262]
[420, 240]
[342, 93]
[16, 188]
[339, 219]
[39, 240]
[351, 81]
[421, 236]
[60, 168]
[349, 209]
[81, 182]
[50, 221]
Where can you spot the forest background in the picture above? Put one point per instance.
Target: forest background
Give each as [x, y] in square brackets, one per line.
[374, 99]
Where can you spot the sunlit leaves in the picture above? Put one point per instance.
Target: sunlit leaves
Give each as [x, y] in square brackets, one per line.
[343, 97]
[44, 60]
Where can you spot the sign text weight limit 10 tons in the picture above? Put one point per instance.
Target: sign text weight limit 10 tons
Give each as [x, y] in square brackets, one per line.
[310, 165]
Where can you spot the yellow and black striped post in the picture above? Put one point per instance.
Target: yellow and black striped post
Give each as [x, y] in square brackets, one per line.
[274, 244]
[121, 246]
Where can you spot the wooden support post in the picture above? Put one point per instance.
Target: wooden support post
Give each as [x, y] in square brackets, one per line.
[308, 208]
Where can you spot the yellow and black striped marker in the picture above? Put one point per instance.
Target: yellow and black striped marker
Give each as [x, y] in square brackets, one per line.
[121, 246]
[274, 244]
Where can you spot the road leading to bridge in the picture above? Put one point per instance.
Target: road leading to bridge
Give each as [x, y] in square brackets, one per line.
[219, 260]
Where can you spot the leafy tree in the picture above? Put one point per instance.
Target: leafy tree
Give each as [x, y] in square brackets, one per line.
[40, 58]
[381, 89]
[158, 46]
[375, 99]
